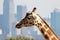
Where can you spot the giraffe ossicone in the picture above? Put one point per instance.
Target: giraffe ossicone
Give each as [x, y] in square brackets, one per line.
[34, 19]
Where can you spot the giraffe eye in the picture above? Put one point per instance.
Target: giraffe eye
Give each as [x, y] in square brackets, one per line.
[29, 18]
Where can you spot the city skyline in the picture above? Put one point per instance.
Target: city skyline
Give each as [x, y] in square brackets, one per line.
[9, 18]
[7, 11]
[43, 6]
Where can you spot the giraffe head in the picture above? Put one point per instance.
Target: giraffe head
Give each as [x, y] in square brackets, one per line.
[29, 20]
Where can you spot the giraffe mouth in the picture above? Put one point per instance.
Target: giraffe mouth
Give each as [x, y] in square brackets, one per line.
[18, 26]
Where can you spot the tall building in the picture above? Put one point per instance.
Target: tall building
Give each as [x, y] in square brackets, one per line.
[5, 22]
[8, 18]
[55, 21]
[21, 11]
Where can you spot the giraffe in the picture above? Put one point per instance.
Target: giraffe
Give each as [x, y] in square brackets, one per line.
[34, 19]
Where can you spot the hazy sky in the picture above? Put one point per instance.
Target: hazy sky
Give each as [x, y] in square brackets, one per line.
[44, 7]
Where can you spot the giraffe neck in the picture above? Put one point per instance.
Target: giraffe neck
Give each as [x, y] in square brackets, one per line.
[46, 31]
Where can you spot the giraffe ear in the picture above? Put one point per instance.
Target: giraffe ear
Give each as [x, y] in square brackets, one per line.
[34, 9]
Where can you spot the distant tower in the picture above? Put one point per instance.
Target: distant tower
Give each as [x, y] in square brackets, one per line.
[55, 18]
[8, 18]
[21, 11]
[5, 22]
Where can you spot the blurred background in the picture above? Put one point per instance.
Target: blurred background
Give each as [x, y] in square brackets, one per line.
[12, 11]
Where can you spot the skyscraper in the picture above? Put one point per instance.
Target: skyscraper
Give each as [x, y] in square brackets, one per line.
[8, 17]
[55, 21]
[5, 19]
[21, 11]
